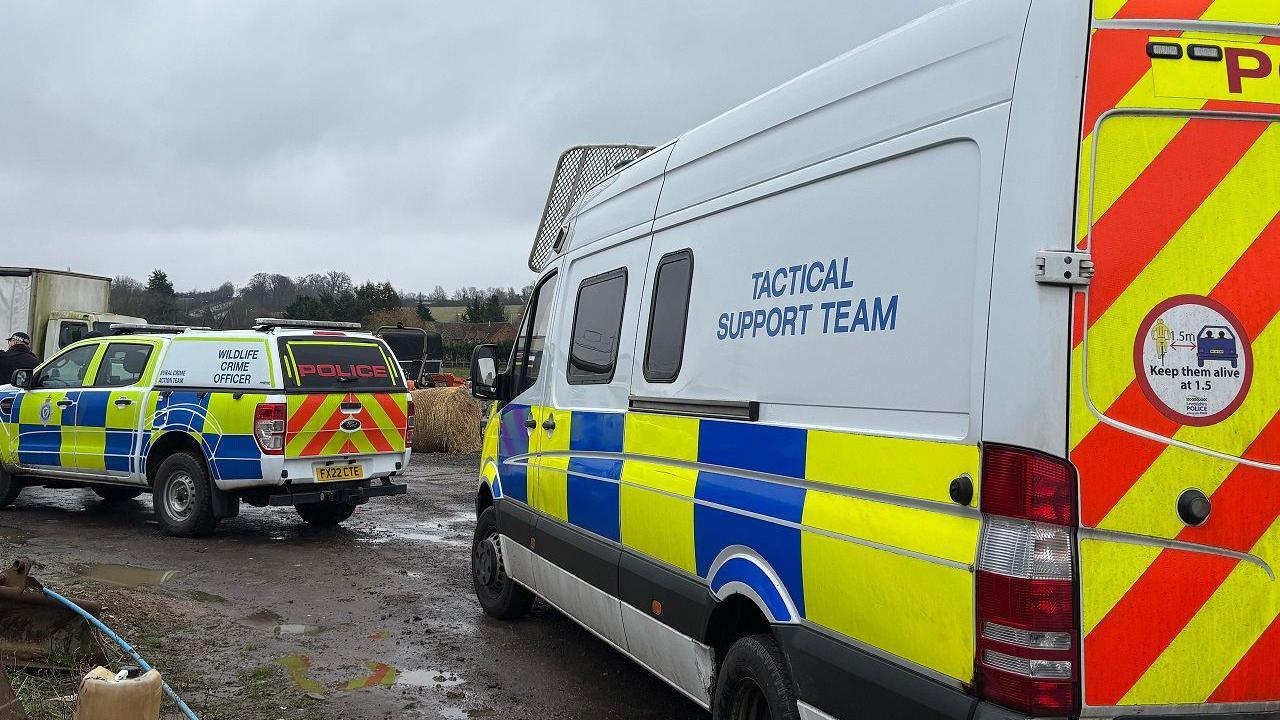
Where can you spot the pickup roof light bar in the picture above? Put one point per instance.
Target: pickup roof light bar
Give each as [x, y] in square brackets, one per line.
[265, 324]
[143, 328]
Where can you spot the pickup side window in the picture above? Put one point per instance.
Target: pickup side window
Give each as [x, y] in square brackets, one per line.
[122, 365]
[66, 370]
[597, 326]
[338, 365]
[668, 317]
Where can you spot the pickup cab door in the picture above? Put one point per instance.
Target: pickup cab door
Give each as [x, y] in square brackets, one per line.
[109, 410]
[47, 410]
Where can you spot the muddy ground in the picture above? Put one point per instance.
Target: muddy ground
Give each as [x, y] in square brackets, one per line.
[269, 618]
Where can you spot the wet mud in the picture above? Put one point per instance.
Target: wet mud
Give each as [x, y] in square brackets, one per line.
[375, 619]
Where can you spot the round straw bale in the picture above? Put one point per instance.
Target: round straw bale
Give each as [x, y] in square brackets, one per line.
[446, 420]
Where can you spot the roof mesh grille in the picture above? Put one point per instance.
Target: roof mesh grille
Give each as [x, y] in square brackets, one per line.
[580, 168]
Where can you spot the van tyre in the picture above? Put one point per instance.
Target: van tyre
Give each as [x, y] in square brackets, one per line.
[754, 683]
[10, 486]
[325, 514]
[117, 494]
[182, 498]
[499, 595]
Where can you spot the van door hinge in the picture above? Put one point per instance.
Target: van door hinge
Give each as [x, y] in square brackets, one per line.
[1055, 267]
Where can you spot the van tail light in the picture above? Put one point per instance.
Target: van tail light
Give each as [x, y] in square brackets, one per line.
[409, 425]
[1028, 648]
[268, 427]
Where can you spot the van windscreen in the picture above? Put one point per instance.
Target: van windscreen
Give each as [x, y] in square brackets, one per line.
[338, 365]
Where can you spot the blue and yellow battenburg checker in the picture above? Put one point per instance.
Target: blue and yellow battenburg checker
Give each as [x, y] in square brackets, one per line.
[859, 532]
[222, 422]
[98, 430]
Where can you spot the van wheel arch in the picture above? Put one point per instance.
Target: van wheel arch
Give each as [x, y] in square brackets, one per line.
[733, 618]
[484, 498]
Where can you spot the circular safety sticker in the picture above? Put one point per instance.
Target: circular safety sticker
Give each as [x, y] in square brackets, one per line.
[1193, 360]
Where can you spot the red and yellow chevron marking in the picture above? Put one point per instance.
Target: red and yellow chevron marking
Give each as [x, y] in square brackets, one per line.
[314, 426]
[1239, 11]
[1180, 205]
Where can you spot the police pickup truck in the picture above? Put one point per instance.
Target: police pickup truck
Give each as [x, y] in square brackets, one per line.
[309, 414]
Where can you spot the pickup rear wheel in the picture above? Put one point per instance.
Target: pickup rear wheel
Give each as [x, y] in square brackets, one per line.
[10, 486]
[754, 683]
[182, 497]
[325, 514]
[116, 494]
[499, 595]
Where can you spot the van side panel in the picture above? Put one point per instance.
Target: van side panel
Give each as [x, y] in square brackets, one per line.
[862, 198]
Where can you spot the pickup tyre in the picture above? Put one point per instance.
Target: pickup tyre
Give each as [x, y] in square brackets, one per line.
[10, 486]
[325, 514]
[116, 494]
[181, 496]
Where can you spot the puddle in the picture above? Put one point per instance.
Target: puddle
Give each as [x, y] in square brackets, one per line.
[299, 669]
[13, 535]
[124, 575]
[270, 621]
[204, 597]
[380, 674]
[429, 678]
[454, 531]
[453, 713]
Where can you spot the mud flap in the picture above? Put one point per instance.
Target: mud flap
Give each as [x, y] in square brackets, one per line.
[225, 504]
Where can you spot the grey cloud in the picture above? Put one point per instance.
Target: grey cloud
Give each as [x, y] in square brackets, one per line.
[409, 141]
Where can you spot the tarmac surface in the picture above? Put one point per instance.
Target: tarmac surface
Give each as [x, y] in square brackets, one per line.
[269, 618]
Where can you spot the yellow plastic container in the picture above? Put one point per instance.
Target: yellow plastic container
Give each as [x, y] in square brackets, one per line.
[103, 697]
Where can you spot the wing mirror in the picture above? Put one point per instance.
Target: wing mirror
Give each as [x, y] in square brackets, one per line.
[484, 372]
[21, 378]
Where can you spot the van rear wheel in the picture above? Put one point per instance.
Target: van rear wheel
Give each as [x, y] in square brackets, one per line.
[325, 514]
[499, 595]
[754, 683]
[181, 496]
[10, 486]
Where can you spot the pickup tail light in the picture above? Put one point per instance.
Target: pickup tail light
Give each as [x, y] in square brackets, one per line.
[1028, 645]
[269, 427]
[409, 425]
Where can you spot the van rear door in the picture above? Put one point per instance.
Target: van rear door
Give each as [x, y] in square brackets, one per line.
[346, 397]
[1174, 423]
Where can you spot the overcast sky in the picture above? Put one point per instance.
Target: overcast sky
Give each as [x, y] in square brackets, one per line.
[402, 141]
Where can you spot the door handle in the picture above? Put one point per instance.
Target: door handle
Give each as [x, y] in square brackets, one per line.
[549, 424]
[530, 423]
[123, 402]
[65, 404]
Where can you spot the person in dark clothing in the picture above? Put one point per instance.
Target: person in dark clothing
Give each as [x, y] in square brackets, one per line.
[17, 357]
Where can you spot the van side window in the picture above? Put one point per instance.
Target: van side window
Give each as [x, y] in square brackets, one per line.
[597, 326]
[122, 365]
[668, 316]
[526, 355]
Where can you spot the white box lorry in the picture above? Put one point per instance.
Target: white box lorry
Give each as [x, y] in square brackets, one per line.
[55, 307]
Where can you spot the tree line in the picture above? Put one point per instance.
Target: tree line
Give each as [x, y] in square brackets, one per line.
[318, 296]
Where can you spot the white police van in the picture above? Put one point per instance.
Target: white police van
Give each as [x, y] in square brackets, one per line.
[942, 381]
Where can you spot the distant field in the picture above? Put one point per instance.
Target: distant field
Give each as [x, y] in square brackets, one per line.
[450, 313]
